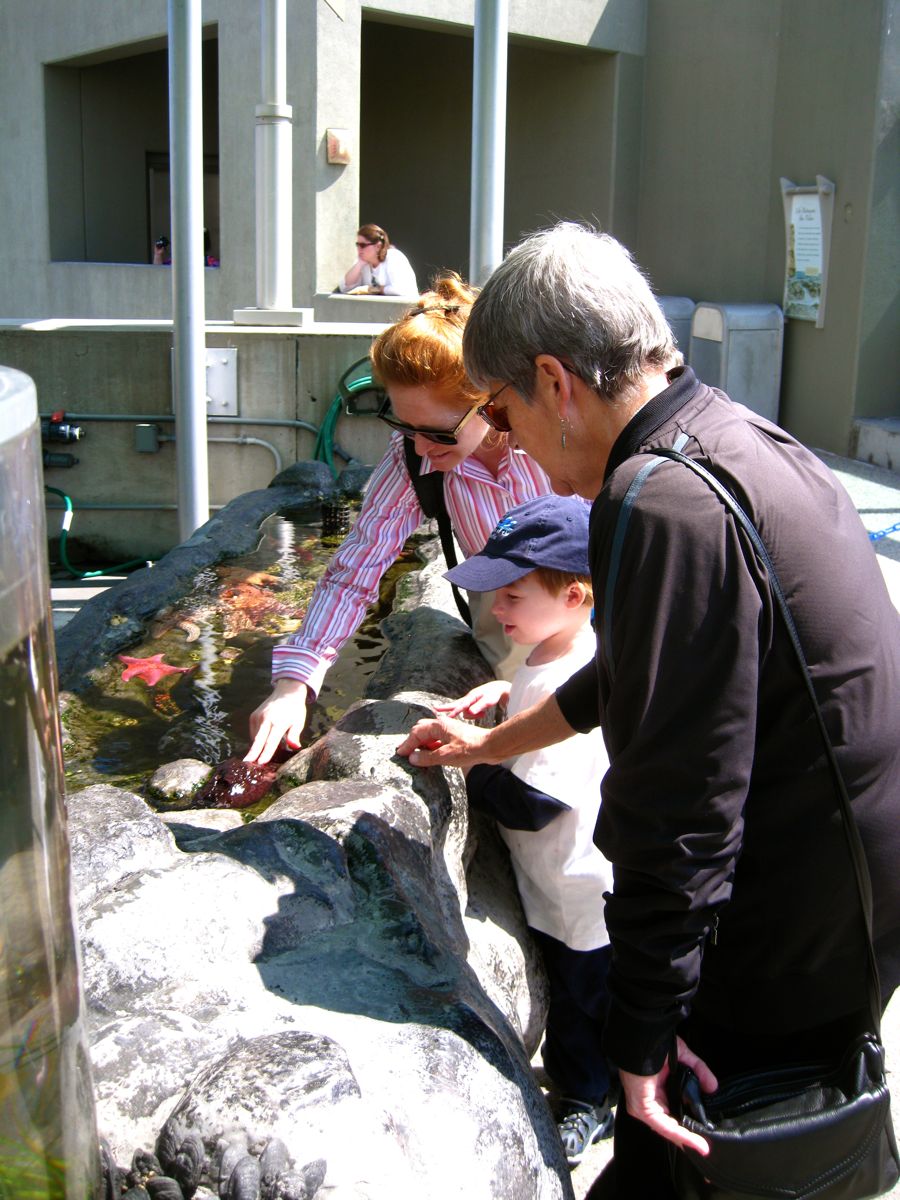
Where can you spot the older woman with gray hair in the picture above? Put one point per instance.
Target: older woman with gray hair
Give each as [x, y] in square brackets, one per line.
[734, 920]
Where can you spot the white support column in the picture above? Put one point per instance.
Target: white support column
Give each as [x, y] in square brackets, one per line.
[488, 138]
[274, 180]
[188, 296]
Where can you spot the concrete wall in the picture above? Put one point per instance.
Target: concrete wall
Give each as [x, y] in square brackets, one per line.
[667, 122]
[126, 371]
[736, 97]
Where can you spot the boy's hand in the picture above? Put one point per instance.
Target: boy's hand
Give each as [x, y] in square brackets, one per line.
[478, 700]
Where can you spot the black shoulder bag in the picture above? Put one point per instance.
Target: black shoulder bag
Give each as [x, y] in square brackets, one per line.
[815, 1131]
[430, 492]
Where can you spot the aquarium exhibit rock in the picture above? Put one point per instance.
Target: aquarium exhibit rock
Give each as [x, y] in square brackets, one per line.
[337, 999]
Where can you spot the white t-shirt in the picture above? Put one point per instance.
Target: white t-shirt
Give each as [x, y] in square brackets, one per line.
[395, 275]
[560, 872]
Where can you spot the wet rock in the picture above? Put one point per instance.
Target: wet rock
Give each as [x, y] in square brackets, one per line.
[313, 478]
[112, 835]
[195, 829]
[236, 784]
[174, 785]
[341, 974]
[353, 480]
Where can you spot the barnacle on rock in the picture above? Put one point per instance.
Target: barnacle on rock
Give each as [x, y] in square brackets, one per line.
[273, 1160]
[161, 1187]
[229, 1151]
[244, 1181]
[188, 1165]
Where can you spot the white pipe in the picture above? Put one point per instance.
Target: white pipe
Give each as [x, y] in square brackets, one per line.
[250, 441]
[188, 301]
[242, 440]
[274, 165]
[488, 138]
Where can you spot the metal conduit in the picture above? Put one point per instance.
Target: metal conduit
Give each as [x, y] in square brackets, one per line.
[238, 441]
[152, 418]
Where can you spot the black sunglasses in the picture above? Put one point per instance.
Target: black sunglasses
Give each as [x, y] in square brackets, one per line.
[359, 245]
[441, 437]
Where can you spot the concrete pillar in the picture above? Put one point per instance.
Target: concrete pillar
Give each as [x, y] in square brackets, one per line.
[274, 180]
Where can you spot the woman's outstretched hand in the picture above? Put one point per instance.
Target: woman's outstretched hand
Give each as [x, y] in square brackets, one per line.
[281, 716]
[645, 1096]
[443, 742]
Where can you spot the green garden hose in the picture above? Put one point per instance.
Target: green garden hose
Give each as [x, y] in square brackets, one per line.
[63, 537]
[324, 449]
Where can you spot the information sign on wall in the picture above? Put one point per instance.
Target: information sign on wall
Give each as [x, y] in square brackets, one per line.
[807, 224]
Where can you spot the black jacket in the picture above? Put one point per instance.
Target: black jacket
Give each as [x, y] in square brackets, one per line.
[734, 892]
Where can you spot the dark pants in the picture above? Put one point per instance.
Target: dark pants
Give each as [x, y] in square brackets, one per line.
[640, 1166]
[578, 1002]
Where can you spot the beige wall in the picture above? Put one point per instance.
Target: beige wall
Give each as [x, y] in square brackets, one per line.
[667, 121]
[737, 96]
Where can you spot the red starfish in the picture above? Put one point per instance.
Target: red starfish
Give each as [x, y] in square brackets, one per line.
[151, 669]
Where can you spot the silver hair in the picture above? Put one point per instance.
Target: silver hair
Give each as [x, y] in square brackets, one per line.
[577, 294]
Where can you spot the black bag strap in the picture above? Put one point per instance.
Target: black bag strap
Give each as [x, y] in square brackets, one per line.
[854, 842]
[430, 492]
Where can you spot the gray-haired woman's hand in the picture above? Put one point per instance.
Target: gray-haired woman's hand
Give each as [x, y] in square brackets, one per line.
[443, 742]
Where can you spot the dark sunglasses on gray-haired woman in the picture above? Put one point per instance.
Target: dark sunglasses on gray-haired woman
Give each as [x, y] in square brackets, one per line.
[495, 417]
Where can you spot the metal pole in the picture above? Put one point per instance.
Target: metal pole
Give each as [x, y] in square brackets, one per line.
[274, 224]
[188, 301]
[488, 138]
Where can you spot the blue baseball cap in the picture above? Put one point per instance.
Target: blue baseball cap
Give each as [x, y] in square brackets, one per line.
[549, 531]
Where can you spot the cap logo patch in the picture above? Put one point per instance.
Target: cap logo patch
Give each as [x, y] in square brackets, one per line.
[504, 527]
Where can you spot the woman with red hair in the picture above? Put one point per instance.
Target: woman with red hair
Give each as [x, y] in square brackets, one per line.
[433, 404]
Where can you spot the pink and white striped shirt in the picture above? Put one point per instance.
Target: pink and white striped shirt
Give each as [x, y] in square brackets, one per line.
[390, 512]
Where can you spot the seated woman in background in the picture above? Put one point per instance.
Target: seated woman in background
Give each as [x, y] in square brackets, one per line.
[380, 268]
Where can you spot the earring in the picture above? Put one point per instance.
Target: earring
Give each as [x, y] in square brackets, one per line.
[563, 425]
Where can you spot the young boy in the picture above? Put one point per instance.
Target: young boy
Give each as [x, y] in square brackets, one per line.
[546, 801]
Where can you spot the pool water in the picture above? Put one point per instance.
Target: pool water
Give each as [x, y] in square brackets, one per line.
[119, 731]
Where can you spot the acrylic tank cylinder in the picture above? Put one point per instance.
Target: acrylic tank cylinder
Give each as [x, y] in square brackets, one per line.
[48, 1137]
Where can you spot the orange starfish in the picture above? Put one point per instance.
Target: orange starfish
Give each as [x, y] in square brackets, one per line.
[151, 669]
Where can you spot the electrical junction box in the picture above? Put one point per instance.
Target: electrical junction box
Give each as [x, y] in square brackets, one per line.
[221, 381]
[146, 438]
[678, 311]
[737, 348]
